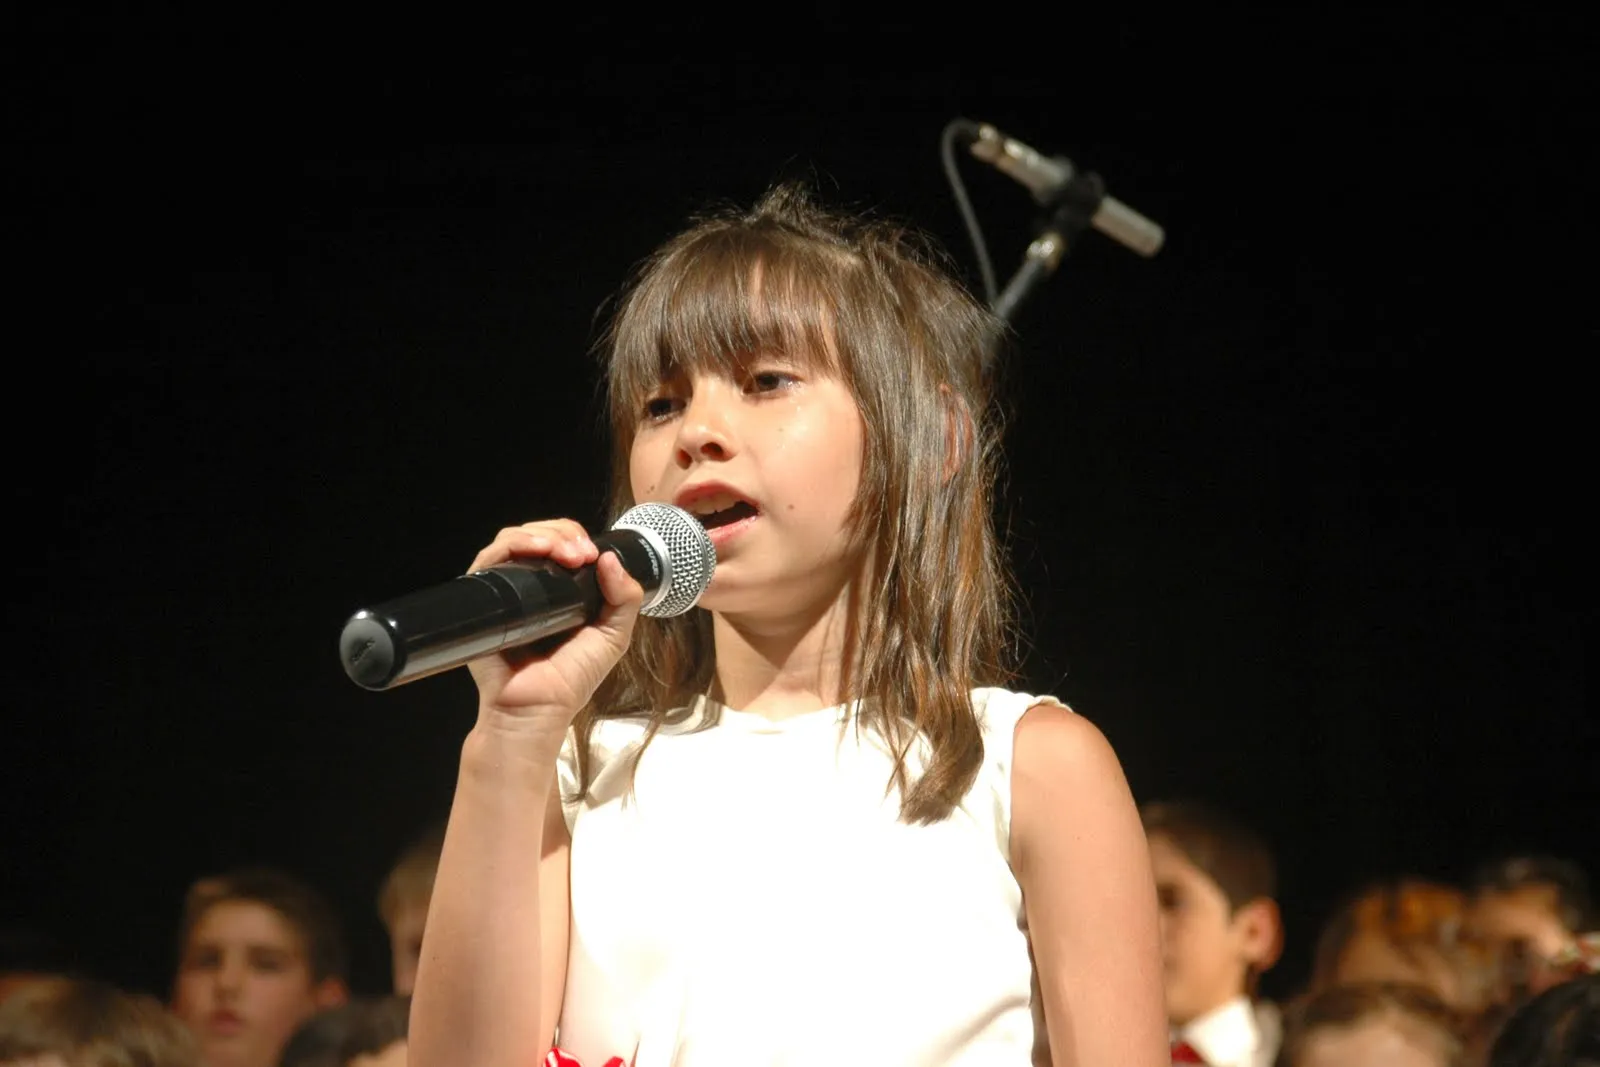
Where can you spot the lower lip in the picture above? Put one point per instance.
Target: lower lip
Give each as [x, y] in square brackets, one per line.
[720, 535]
[226, 1025]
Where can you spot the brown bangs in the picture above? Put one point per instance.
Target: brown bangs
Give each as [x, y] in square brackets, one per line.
[711, 303]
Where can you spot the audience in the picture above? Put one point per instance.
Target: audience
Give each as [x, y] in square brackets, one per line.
[260, 952]
[28, 956]
[1407, 972]
[1372, 1024]
[1527, 912]
[80, 1022]
[1558, 1028]
[366, 1032]
[1220, 929]
[403, 905]
[1404, 930]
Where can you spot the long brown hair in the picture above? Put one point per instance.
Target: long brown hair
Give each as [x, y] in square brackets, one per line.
[873, 302]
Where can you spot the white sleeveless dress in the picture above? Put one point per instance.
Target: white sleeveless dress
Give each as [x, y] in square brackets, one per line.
[756, 901]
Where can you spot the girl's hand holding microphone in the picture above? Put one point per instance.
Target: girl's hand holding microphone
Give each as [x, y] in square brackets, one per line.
[544, 688]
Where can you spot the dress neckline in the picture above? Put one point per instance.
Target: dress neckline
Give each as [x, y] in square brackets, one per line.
[711, 712]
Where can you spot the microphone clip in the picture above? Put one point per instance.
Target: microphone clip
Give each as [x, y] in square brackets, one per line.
[1071, 207]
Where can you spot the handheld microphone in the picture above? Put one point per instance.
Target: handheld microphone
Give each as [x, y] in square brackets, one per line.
[1046, 177]
[518, 602]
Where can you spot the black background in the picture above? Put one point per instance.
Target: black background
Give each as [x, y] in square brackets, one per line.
[300, 317]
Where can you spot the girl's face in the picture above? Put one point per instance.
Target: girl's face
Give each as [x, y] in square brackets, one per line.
[769, 455]
[244, 984]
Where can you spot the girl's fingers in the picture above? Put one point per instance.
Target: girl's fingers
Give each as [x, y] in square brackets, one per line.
[561, 540]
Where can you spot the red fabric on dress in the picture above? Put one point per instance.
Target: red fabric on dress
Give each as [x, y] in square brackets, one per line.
[556, 1058]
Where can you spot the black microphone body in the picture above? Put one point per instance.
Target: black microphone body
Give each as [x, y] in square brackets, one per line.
[522, 601]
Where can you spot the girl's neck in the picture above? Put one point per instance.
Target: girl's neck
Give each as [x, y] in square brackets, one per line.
[785, 667]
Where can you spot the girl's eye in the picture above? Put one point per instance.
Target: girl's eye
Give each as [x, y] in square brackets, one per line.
[660, 407]
[768, 381]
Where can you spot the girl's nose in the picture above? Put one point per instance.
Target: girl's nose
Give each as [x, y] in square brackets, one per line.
[706, 430]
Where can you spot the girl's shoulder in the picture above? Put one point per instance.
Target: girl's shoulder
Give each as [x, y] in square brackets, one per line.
[999, 710]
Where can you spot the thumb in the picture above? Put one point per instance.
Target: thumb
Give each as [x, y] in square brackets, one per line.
[601, 644]
[624, 596]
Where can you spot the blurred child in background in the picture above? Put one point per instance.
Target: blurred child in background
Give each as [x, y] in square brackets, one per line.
[1216, 883]
[403, 904]
[1404, 930]
[365, 1032]
[260, 952]
[1527, 913]
[1372, 1024]
[79, 1022]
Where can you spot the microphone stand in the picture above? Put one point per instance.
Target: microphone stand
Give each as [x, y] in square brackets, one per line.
[1072, 210]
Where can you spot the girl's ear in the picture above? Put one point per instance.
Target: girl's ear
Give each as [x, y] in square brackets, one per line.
[959, 432]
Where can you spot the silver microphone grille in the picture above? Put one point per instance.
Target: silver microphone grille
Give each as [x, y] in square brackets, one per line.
[689, 558]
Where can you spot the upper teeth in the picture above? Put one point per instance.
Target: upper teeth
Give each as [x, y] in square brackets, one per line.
[707, 505]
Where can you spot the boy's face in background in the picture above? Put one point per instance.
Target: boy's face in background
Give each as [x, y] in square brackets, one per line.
[244, 984]
[405, 943]
[1201, 961]
[1520, 928]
